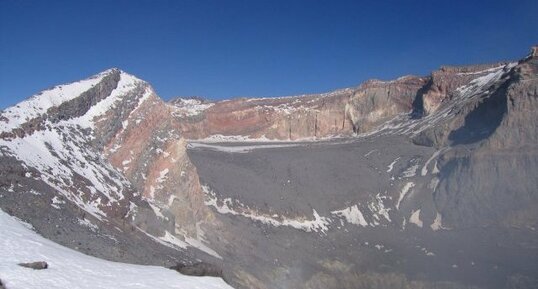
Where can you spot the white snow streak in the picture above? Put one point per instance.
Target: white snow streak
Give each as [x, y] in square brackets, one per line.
[352, 215]
[391, 166]
[437, 223]
[170, 239]
[318, 224]
[408, 186]
[126, 84]
[238, 148]
[410, 172]
[415, 218]
[424, 170]
[41, 102]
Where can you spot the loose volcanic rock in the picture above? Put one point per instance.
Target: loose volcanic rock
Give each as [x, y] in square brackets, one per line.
[40, 265]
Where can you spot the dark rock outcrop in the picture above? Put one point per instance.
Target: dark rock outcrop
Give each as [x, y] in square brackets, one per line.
[40, 265]
[80, 105]
[198, 269]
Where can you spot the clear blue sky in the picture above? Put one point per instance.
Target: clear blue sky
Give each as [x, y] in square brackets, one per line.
[221, 49]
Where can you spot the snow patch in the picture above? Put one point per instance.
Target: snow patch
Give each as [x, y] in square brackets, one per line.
[57, 154]
[175, 241]
[171, 239]
[156, 210]
[56, 202]
[408, 186]
[196, 243]
[238, 148]
[437, 223]
[87, 223]
[219, 138]
[377, 207]
[41, 102]
[410, 172]
[71, 269]
[352, 215]
[126, 84]
[424, 170]
[415, 218]
[318, 224]
[162, 176]
[391, 166]
[479, 83]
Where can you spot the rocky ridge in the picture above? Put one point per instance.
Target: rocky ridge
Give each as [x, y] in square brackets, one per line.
[106, 155]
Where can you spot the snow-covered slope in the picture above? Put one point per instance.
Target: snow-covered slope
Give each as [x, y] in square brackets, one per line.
[39, 104]
[52, 161]
[45, 133]
[72, 269]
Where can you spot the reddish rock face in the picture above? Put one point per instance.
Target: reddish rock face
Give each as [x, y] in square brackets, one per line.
[150, 151]
[273, 118]
[341, 112]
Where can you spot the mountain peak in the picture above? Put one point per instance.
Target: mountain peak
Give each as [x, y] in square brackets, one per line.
[121, 73]
[112, 70]
[84, 100]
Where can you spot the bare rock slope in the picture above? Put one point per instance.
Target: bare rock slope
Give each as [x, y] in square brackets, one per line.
[419, 182]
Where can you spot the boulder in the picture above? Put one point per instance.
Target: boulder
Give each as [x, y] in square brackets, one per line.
[40, 265]
[198, 269]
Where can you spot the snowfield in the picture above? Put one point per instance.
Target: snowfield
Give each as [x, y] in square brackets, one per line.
[72, 269]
